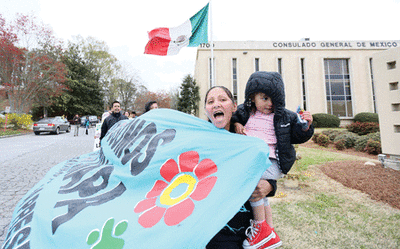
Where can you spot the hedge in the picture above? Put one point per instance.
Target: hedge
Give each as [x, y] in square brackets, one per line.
[323, 120]
[366, 117]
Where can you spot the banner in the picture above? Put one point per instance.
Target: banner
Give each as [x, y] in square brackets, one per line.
[158, 181]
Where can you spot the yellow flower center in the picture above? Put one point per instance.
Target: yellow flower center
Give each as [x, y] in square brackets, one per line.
[166, 198]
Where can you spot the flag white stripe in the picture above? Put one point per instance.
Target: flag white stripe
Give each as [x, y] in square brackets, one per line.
[179, 37]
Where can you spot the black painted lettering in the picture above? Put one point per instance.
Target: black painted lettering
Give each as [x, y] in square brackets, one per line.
[24, 221]
[148, 132]
[76, 176]
[18, 240]
[130, 137]
[77, 205]
[137, 167]
[87, 188]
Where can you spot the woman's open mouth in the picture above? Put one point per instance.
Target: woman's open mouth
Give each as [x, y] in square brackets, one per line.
[218, 114]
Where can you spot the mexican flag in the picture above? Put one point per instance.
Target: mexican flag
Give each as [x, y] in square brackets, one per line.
[169, 41]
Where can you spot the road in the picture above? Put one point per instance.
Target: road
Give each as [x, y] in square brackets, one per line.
[24, 161]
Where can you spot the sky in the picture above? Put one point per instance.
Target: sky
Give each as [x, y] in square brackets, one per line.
[123, 25]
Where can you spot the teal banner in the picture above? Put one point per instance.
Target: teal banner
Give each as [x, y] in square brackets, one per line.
[158, 181]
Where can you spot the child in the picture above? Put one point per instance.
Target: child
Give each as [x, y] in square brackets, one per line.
[264, 115]
[87, 124]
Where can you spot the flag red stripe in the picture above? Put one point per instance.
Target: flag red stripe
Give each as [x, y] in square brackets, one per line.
[158, 43]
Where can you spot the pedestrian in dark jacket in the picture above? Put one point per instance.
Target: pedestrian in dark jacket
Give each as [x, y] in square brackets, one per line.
[264, 115]
[77, 122]
[112, 119]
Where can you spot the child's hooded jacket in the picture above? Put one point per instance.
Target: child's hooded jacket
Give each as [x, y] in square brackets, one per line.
[288, 131]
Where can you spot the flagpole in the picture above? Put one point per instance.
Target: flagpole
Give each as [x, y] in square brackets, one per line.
[212, 47]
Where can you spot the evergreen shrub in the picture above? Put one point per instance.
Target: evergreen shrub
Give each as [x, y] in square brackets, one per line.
[332, 134]
[366, 117]
[323, 120]
[349, 139]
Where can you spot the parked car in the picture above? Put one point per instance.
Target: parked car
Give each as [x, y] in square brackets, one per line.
[53, 125]
[93, 120]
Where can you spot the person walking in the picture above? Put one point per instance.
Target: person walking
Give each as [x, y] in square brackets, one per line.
[87, 124]
[77, 122]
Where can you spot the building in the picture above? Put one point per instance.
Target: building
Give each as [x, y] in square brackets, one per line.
[386, 71]
[334, 77]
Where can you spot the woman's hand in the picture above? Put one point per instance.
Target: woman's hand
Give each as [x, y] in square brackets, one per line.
[239, 129]
[263, 188]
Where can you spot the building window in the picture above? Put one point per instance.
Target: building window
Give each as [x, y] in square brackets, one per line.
[212, 69]
[234, 78]
[338, 92]
[372, 82]
[280, 66]
[257, 64]
[303, 84]
[391, 65]
[393, 86]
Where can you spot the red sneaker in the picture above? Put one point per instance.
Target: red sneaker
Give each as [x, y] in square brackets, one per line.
[257, 235]
[274, 242]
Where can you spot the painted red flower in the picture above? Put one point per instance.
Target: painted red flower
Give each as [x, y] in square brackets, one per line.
[173, 198]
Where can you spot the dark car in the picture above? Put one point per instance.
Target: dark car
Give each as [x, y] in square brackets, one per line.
[52, 125]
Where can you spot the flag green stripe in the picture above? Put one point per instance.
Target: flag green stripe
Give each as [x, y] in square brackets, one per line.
[199, 27]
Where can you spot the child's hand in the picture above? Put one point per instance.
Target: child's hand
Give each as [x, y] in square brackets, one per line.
[239, 129]
[308, 117]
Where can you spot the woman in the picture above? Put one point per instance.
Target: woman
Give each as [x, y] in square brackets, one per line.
[219, 107]
[150, 106]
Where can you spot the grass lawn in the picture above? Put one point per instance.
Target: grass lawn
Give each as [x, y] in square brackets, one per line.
[9, 132]
[318, 212]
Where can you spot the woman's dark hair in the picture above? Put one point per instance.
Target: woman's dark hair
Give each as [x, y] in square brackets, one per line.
[226, 90]
[148, 104]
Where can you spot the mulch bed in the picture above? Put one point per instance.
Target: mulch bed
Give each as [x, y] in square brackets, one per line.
[381, 184]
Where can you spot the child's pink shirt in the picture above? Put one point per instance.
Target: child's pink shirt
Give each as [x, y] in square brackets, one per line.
[262, 126]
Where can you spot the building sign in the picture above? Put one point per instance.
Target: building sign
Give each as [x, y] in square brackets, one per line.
[337, 44]
[302, 45]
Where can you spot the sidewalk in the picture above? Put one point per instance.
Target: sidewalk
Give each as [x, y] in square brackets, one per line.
[21, 173]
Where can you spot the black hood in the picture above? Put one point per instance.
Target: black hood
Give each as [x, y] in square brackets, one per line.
[271, 84]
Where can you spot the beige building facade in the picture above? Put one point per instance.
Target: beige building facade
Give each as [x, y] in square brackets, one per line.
[333, 77]
[386, 73]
